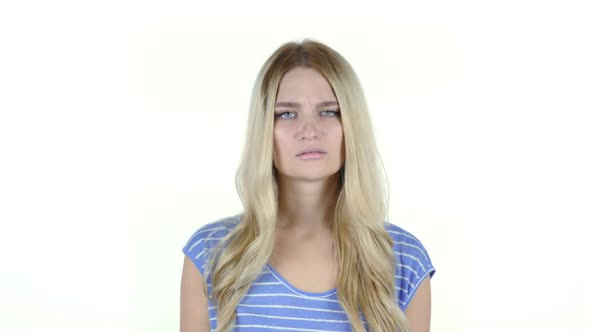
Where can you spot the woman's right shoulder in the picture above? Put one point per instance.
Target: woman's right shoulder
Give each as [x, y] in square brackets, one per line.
[207, 237]
[215, 228]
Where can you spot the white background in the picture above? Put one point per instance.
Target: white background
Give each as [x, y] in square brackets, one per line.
[121, 125]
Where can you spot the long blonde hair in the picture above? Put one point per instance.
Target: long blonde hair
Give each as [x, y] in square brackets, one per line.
[366, 280]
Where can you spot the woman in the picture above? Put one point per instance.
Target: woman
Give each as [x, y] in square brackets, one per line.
[312, 250]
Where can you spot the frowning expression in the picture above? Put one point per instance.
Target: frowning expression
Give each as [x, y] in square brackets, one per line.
[307, 118]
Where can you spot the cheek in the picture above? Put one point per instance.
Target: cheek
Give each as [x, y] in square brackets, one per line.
[278, 143]
[337, 133]
[339, 139]
[281, 135]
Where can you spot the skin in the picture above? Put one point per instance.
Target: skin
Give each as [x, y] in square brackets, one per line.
[307, 187]
[194, 312]
[304, 251]
[419, 310]
[306, 115]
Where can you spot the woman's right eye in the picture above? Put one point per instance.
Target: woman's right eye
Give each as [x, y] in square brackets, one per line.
[281, 115]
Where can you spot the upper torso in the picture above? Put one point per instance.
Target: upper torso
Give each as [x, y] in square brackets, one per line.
[296, 291]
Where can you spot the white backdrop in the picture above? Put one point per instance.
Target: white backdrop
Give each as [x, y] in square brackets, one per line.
[122, 123]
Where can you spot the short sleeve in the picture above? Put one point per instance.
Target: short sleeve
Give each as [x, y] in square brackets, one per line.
[205, 239]
[413, 264]
[195, 250]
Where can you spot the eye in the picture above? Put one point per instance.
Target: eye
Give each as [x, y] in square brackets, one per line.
[281, 115]
[332, 113]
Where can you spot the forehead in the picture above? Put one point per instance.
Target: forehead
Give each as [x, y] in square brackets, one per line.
[302, 82]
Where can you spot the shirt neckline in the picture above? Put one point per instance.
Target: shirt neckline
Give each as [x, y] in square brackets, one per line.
[296, 290]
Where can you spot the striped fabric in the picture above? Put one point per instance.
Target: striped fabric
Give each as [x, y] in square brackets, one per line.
[273, 304]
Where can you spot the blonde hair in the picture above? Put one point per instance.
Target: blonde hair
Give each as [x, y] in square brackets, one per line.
[366, 279]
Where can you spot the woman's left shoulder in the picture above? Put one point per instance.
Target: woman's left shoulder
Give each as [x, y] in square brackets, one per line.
[413, 263]
[401, 235]
[408, 248]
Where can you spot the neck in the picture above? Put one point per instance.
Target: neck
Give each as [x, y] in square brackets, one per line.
[307, 205]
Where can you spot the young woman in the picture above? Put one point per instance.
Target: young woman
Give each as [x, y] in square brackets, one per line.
[312, 250]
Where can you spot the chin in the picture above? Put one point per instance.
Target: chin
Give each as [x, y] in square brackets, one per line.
[313, 174]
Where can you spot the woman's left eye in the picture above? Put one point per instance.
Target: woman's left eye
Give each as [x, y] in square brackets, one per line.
[332, 113]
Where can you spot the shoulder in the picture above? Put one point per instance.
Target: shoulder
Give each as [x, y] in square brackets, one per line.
[413, 263]
[206, 238]
[406, 242]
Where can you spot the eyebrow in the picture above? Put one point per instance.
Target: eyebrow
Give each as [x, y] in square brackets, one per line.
[296, 105]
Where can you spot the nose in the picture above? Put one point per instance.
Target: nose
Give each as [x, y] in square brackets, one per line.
[309, 128]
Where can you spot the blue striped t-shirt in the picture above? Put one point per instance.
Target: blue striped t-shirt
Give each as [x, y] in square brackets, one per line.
[273, 304]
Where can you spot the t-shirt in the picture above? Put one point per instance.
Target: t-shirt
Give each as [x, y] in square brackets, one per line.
[273, 304]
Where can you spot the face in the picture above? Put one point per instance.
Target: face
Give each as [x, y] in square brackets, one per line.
[307, 116]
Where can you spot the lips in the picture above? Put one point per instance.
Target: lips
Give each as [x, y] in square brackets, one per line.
[311, 149]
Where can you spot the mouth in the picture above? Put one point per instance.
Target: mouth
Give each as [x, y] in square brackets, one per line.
[310, 150]
[311, 153]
